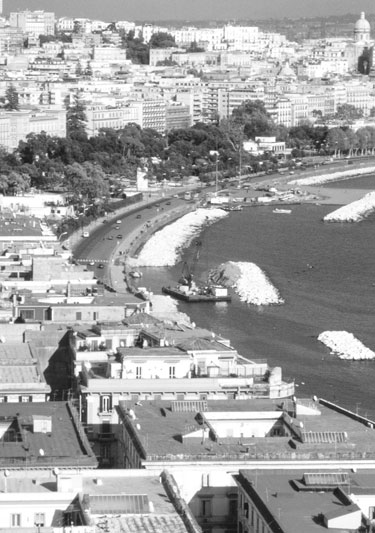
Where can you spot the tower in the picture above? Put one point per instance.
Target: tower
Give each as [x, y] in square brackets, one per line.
[362, 29]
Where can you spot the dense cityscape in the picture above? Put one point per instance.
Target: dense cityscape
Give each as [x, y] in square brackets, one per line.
[124, 148]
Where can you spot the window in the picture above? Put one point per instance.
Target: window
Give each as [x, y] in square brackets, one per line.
[206, 507]
[15, 520]
[104, 451]
[3, 399]
[105, 404]
[106, 427]
[232, 507]
[138, 372]
[25, 399]
[205, 480]
[27, 314]
[172, 372]
[246, 510]
[78, 315]
[95, 315]
[39, 519]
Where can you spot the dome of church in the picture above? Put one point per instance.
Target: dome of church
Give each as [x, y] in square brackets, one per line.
[362, 25]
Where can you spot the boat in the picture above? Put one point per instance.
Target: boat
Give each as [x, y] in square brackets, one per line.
[135, 274]
[196, 294]
[284, 211]
[189, 291]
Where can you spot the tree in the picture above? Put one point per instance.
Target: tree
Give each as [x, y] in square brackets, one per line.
[348, 113]
[254, 118]
[162, 40]
[76, 119]
[336, 140]
[11, 99]
[194, 48]
[136, 50]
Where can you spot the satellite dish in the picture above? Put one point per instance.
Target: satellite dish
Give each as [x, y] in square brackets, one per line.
[6, 473]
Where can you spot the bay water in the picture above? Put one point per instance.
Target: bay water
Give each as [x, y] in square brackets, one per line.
[326, 275]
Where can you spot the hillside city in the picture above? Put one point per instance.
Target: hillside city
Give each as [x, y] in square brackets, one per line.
[118, 413]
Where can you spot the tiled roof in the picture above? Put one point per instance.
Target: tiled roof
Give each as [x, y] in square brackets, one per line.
[142, 524]
[119, 504]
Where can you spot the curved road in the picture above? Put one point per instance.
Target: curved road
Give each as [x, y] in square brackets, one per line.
[100, 246]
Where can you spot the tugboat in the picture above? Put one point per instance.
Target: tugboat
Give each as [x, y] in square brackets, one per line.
[188, 291]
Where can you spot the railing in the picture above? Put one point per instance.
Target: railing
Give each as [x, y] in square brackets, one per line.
[106, 436]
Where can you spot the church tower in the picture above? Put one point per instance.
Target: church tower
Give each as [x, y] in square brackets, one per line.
[362, 29]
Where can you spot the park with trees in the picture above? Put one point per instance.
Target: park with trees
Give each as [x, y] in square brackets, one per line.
[91, 168]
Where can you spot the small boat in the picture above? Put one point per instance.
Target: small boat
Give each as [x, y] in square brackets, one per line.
[135, 274]
[284, 211]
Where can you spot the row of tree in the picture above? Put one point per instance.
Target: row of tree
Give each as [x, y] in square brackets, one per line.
[92, 167]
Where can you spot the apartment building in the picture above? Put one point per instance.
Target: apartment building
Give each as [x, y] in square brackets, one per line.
[203, 443]
[33, 22]
[308, 500]
[16, 125]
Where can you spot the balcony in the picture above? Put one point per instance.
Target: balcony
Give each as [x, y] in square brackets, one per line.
[106, 437]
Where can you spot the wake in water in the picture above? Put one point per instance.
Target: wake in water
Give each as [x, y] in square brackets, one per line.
[345, 345]
[163, 249]
[353, 212]
[249, 282]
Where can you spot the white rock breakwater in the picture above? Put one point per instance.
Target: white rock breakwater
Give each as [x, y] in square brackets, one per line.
[249, 282]
[355, 211]
[345, 345]
[163, 248]
[334, 176]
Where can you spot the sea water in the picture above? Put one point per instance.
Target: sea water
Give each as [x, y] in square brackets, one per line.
[326, 275]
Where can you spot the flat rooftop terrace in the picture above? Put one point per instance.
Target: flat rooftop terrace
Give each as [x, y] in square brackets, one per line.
[246, 430]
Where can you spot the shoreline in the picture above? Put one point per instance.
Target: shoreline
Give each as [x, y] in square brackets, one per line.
[136, 240]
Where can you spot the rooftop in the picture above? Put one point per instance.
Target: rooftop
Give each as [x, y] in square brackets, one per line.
[19, 370]
[288, 506]
[246, 430]
[62, 442]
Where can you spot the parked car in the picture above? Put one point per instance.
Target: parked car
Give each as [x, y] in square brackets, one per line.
[119, 236]
[139, 216]
[101, 265]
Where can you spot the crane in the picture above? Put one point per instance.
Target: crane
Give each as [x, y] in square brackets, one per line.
[188, 270]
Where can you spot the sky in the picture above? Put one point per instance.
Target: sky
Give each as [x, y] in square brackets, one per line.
[153, 10]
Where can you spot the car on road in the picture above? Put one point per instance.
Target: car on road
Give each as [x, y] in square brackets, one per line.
[138, 216]
[85, 234]
[110, 237]
[117, 227]
[92, 263]
[157, 205]
[118, 221]
[119, 236]
[101, 265]
[168, 203]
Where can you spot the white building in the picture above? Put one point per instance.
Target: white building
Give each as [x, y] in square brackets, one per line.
[33, 22]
